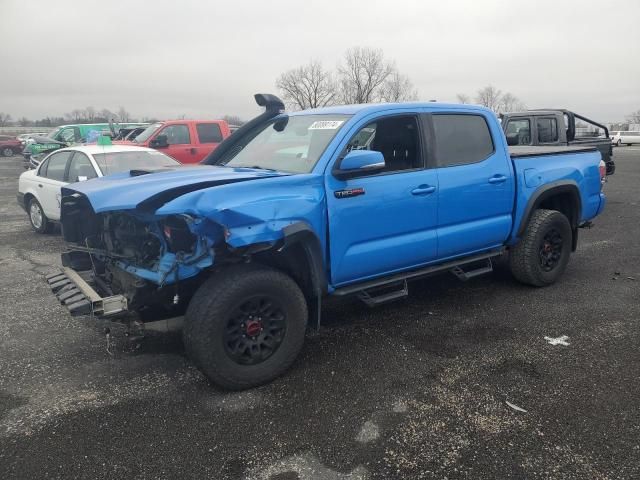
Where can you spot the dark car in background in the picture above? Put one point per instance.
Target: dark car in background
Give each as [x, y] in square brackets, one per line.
[558, 127]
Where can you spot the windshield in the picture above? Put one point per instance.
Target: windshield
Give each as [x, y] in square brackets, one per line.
[290, 144]
[54, 132]
[150, 130]
[114, 162]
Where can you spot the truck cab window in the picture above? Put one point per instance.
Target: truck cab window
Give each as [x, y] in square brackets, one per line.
[209, 132]
[396, 138]
[519, 132]
[547, 130]
[461, 139]
[177, 134]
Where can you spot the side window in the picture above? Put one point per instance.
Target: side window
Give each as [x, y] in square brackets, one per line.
[42, 170]
[547, 130]
[209, 132]
[461, 139]
[177, 134]
[396, 138]
[80, 167]
[57, 165]
[519, 132]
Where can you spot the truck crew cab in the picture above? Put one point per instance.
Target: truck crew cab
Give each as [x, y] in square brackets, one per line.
[294, 207]
[187, 141]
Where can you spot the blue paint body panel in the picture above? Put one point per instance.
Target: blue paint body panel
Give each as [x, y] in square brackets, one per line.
[403, 220]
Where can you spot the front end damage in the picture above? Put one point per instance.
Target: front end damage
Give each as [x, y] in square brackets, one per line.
[147, 262]
[154, 256]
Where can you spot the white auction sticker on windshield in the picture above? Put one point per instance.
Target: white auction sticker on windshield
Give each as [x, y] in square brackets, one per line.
[326, 124]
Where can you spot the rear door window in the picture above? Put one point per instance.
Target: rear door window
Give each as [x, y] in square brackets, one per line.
[209, 132]
[461, 139]
[547, 130]
[57, 166]
[80, 167]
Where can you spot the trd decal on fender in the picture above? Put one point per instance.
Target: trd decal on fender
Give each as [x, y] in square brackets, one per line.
[351, 192]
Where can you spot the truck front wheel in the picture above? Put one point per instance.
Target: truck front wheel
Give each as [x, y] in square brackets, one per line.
[245, 326]
[542, 254]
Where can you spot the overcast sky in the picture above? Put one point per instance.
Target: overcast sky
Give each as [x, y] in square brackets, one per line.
[207, 58]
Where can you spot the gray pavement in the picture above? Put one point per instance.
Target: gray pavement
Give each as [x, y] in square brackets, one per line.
[416, 389]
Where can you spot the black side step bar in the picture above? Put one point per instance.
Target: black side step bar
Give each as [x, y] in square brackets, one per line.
[422, 272]
[386, 293]
[465, 275]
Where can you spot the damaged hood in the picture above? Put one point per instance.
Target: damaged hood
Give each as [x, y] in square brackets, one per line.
[151, 190]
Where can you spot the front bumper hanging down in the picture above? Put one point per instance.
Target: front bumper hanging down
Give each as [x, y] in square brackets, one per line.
[75, 293]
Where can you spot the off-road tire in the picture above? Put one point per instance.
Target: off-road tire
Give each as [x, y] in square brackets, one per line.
[525, 257]
[209, 312]
[46, 226]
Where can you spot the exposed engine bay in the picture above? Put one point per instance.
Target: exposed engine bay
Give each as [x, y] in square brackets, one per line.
[150, 260]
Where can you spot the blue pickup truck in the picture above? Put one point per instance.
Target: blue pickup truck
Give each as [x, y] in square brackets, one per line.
[294, 207]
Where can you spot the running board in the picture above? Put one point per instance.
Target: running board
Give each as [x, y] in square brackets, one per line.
[469, 274]
[414, 274]
[384, 294]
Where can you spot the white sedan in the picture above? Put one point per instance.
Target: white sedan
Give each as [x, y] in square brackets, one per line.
[39, 189]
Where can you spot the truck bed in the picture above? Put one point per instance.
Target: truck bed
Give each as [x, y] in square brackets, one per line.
[519, 151]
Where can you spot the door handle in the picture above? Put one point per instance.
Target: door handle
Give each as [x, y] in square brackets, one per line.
[40, 185]
[423, 190]
[498, 179]
[193, 151]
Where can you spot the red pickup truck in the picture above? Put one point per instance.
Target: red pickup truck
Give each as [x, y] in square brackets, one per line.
[188, 141]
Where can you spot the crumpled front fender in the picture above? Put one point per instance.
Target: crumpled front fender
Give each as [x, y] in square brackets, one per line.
[258, 211]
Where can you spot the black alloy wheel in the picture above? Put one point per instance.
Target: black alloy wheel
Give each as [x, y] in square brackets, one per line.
[255, 330]
[550, 250]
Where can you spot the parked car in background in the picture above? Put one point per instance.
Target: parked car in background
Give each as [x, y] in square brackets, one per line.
[628, 138]
[9, 146]
[67, 135]
[558, 127]
[188, 141]
[25, 137]
[39, 189]
[345, 200]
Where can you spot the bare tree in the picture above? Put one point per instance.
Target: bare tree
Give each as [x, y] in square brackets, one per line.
[5, 118]
[363, 74]
[107, 114]
[308, 86]
[90, 114]
[74, 115]
[398, 88]
[489, 97]
[634, 117]
[123, 115]
[463, 98]
[510, 103]
[233, 120]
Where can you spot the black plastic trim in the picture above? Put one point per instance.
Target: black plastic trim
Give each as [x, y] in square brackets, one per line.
[549, 190]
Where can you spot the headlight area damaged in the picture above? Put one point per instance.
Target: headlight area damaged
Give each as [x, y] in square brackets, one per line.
[148, 259]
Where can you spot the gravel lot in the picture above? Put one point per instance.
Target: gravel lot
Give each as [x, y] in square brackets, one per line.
[417, 389]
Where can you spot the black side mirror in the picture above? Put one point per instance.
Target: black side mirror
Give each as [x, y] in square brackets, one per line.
[159, 142]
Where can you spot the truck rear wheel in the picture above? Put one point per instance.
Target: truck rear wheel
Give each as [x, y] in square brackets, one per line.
[245, 326]
[542, 254]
